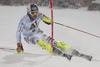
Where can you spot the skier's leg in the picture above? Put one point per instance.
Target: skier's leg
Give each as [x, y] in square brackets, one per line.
[44, 45]
[56, 50]
[47, 46]
[40, 39]
[58, 46]
[37, 40]
[44, 42]
[65, 48]
[68, 50]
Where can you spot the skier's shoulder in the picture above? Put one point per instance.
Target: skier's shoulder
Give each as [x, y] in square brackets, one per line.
[39, 14]
[24, 18]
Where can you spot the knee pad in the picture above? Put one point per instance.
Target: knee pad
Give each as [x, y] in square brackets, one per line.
[63, 46]
[44, 45]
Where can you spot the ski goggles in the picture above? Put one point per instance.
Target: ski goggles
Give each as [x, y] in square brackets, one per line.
[34, 13]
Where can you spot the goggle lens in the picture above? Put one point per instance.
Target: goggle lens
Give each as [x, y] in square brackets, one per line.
[34, 13]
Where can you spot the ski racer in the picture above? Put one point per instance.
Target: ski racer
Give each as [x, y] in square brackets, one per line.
[29, 27]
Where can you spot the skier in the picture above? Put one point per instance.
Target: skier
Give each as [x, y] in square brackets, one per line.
[29, 26]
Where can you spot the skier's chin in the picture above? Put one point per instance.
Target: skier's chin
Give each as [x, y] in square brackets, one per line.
[34, 17]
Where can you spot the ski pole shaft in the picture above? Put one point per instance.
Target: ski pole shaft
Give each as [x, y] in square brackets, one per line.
[6, 49]
[77, 29]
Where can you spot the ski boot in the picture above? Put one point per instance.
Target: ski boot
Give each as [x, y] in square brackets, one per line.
[89, 58]
[76, 53]
[58, 51]
[69, 57]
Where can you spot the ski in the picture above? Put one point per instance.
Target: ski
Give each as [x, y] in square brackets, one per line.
[69, 57]
[89, 58]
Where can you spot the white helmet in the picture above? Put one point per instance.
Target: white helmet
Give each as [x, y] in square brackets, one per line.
[32, 8]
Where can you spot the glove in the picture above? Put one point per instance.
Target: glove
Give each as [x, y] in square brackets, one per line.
[19, 48]
[47, 20]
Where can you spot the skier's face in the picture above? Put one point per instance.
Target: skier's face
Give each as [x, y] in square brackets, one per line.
[34, 14]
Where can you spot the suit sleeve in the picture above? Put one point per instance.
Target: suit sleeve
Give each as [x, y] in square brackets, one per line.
[19, 30]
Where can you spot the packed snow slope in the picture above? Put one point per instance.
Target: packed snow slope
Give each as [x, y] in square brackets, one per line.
[82, 19]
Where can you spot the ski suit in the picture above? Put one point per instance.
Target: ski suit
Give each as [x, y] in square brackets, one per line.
[34, 35]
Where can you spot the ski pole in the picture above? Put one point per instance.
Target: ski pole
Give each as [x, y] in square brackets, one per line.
[6, 48]
[77, 29]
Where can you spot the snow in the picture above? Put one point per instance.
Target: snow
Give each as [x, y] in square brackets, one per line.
[34, 56]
